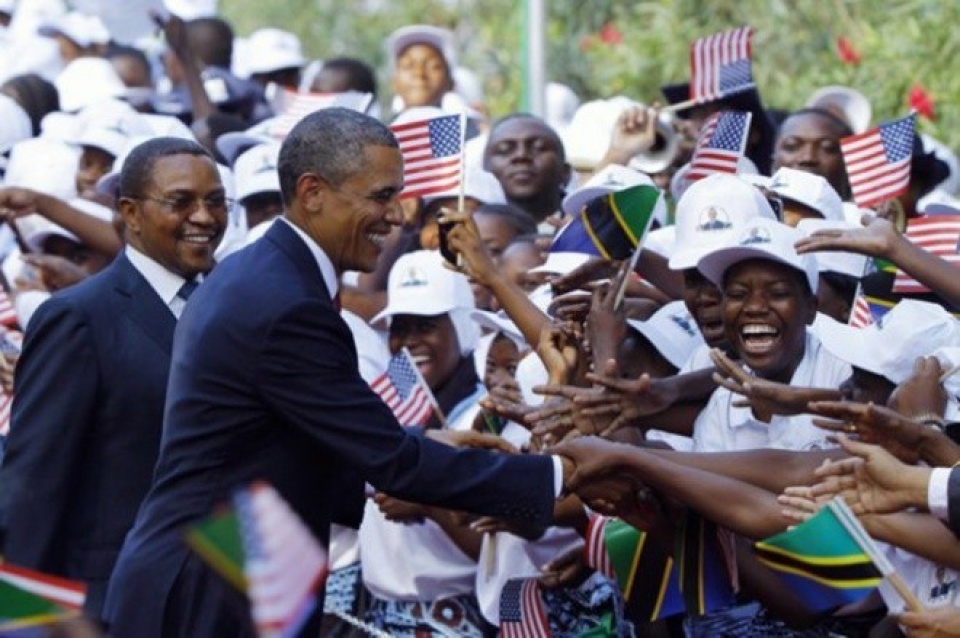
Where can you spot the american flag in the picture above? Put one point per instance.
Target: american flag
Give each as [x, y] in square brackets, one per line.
[937, 234]
[522, 614]
[431, 152]
[878, 161]
[291, 107]
[404, 391]
[860, 315]
[597, 556]
[720, 65]
[284, 564]
[720, 144]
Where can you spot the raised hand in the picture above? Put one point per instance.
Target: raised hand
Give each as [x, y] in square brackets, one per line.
[563, 418]
[766, 398]
[877, 238]
[625, 400]
[941, 622]
[592, 270]
[568, 569]
[874, 424]
[873, 481]
[507, 403]
[922, 392]
[635, 132]
[464, 239]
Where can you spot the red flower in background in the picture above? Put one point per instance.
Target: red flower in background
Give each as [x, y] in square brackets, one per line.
[921, 102]
[848, 54]
[610, 34]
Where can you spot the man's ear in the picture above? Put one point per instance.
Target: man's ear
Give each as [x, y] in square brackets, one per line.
[310, 191]
[128, 209]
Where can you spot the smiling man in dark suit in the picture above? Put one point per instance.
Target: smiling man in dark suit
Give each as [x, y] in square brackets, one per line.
[90, 386]
[264, 385]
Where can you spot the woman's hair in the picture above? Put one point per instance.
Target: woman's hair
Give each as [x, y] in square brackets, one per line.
[34, 94]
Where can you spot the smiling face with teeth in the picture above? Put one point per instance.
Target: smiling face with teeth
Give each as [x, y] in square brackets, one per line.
[766, 309]
[181, 243]
[432, 342]
[703, 301]
[352, 220]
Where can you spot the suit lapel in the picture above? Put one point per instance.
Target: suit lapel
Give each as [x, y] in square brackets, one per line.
[143, 304]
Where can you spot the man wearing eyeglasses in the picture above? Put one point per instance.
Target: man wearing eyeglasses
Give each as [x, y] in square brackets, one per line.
[90, 385]
[264, 386]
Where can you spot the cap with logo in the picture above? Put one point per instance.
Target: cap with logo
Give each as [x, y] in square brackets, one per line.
[419, 284]
[256, 170]
[436, 37]
[711, 213]
[760, 238]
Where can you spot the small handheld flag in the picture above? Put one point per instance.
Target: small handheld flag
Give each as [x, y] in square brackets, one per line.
[29, 598]
[611, 226]
[292, 106]
[821, 560]
[937, 234]
[432, 154]
[720, 65]
[284, 564]
[522, 613]
[878, 161]
[723, 137]
[216, 539]
[403, 390]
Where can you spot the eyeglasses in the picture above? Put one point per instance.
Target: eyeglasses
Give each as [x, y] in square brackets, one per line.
[185, 205]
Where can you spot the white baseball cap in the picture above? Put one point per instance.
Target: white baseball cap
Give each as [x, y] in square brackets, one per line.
[611, 179]
[890, 346]
[191, 9]
[87, 81]
[760, 238]
[838, 261]
[440, 39]
[850, 104]
[711, 213]
[109, 126]
[272, 49]
[813, 191]
[499, 323]
[672, 331]
[679, 183]
[83, 29]
[561, 263]
[419, 284]
[255, 170]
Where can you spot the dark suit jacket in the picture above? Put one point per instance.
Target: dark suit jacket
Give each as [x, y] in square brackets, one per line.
[953, 501]
[85, 430]
[264, 385]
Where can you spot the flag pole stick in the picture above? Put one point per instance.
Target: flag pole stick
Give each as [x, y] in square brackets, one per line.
[430, 397]
[913, 603]
[679, 106]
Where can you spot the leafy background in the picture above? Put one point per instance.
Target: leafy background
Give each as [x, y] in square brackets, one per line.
[609, 47]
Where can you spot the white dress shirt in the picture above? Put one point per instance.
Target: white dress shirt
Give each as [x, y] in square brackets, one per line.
[165, 283]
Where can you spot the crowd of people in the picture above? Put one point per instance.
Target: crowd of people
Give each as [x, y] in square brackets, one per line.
[203, 287]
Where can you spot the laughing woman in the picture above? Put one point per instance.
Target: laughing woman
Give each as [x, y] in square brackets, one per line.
[418, 562]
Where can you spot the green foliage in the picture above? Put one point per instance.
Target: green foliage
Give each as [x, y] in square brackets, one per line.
[900, 42]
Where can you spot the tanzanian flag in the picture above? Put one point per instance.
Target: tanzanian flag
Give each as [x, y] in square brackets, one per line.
[822, 561]
[217, 540]
[706, 558]
[643, 570]
[610, 226]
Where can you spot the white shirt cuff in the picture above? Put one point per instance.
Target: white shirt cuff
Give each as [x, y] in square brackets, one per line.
[557, 476]
[938, 497]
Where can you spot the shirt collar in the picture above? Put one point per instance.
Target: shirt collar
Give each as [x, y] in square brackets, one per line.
[327, 270]
[165, 283]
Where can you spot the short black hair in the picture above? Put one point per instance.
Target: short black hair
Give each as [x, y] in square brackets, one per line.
[361, 74]
[211, 39]
[843, 127]
[521, 221]
[115, 50]
[137, 171]
[330, 143]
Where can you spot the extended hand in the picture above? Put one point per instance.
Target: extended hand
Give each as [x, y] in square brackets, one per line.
[874, 424]
[398, 511]
[921, 392]
[470, 438]
[876, 238]
[942, 622]
[873, 481]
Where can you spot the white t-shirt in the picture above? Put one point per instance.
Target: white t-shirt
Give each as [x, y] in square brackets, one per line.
[723, 427]
[934, 585]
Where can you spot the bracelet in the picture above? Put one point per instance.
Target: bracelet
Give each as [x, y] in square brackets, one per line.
[930, 419]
